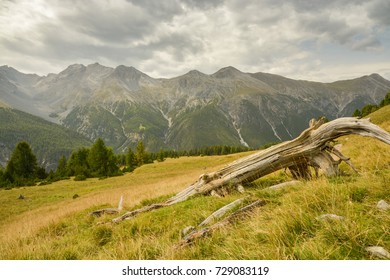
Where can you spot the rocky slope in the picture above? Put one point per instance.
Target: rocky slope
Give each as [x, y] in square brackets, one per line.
[123, 105]
[48, 141]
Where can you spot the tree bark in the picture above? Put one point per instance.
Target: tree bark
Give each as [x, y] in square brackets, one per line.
[311, 148]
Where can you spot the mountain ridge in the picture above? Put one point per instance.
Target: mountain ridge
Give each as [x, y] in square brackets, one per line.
[123, 105]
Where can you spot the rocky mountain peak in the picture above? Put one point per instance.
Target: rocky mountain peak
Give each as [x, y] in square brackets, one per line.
[196, 73]
[75, 67]
[72, 70]
[128, 72]
[378, 77]
[14, 75]
[227, 72]
[98, 67]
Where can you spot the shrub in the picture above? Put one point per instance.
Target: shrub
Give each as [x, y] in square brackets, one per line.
[80, 177]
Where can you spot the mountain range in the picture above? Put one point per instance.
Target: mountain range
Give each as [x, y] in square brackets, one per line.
[122, 105]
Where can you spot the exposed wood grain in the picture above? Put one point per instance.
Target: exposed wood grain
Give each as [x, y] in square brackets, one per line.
[196, 234]
[221, 211]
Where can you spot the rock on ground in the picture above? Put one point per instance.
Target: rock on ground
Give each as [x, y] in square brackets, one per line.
[383, 205]
[378, 251]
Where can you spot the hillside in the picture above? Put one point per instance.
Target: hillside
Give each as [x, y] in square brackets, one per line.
[49, 224]
[49, 141]
[122, 105]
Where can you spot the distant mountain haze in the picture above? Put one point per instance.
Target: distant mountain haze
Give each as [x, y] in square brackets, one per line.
[122, 105]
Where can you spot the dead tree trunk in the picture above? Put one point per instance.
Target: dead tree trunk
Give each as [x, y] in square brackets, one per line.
[196, 234]
[311, 148]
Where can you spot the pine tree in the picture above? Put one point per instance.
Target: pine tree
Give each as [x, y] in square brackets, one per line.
[62, 171]
[142, 157]
[357, 113]
[23, 166]
[101, 160]
[386, 100]
[368, 109]
[131, 161]
[161, 156]
[112, 167]
[98, 158]
[78, 164]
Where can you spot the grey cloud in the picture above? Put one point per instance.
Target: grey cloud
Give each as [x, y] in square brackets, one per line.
[179, 45]
[202, 4]
[91, 32]
[319, 5]
[171, 35]
[337, 29]
[368, 43]
[159, 10]
[53, 46]
[380, 11]
[169, 8]
[313, 5]
[116, 25]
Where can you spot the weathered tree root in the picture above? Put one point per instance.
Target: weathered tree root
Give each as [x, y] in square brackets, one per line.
[221, 211]
[111, 211]
[196, 234]
[131, 214]
[311, 148]
[283, 185]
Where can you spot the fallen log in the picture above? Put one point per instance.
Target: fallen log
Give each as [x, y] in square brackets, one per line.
[196, 234]
[132, 214]
[221, 211]
[312, 148]
[110, 211]
[283, 185]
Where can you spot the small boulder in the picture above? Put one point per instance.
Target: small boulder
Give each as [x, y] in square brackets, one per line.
[330, 217]
[378, 251]
[383, 205]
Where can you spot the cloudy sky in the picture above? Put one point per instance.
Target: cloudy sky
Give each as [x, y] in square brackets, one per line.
[313, 39]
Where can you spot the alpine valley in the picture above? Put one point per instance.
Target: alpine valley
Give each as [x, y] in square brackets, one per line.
[60, 112]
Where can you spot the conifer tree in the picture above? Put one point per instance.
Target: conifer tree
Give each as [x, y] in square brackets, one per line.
[112, 167]
[78, 164]
[23, 164]
[386, 100]
[161, 156]
[101, 160]
[62, 171]
[98, 158]
[142, 157]
[357, 113]
[131, 161]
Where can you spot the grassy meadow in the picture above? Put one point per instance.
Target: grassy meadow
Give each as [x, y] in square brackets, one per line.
[50, 224]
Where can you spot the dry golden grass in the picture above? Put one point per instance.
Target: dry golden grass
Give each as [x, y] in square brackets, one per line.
[146, 182]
